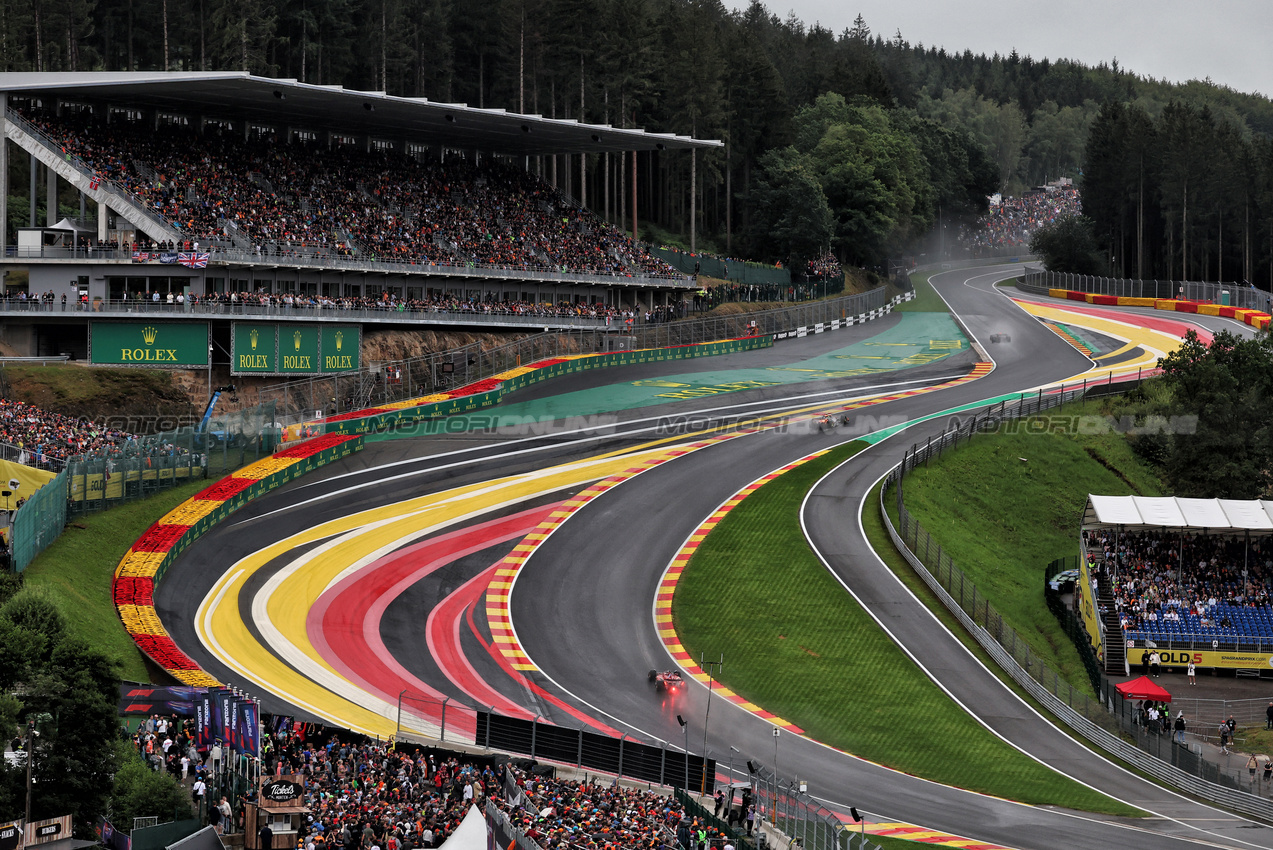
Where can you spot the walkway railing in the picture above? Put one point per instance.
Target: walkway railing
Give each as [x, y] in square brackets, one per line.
[389, 312]
[130, 202]
[1106, 720]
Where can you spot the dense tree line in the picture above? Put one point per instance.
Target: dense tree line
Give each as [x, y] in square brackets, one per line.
[69, 691]
[1186, 194]
[1207, 422]
[685, 66]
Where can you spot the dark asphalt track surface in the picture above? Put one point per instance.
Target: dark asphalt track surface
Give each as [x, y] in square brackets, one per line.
[583, 603]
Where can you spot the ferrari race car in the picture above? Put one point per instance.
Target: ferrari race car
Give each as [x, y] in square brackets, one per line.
[667, 680]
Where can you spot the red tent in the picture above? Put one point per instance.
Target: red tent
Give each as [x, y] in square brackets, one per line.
[1143, 688]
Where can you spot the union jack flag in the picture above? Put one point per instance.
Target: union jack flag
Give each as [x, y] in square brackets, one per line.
[193, 260]
[141, 256]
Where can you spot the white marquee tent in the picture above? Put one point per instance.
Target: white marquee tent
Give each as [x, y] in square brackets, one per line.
[1216, 516]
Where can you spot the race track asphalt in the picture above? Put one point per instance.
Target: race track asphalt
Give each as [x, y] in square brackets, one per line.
[583, 612]
[582, 605]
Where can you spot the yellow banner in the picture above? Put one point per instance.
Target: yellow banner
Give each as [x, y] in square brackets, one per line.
[97, 486]
[1087, 607]
[29, 480]
[1206, 658]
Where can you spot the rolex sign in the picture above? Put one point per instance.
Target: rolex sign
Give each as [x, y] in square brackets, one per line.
[148, 343]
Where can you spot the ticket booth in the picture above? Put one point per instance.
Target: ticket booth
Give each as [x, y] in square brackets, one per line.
[281, 804]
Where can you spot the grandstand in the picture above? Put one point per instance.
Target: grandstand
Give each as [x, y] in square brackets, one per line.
[1189, 578]
[221, 194]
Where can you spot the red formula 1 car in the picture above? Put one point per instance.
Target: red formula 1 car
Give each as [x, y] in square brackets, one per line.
[668, 680]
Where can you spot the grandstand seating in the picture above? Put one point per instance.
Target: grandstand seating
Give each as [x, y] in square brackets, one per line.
[264, 197]
[1206, 600]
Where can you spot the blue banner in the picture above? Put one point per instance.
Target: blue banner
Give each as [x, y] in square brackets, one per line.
[203, 721]
[249, 732]
[222, 715]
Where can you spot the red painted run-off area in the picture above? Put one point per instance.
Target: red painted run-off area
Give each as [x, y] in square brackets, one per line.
[344, 624]
[1175, 327]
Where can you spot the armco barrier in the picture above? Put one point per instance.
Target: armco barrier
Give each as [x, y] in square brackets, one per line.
[1081, 713]
[1254, 318]
[490, 391]
[1200, 298]
[146, 561]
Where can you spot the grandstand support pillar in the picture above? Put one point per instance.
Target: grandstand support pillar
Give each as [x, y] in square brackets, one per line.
[31, 218]
[693, 196]
[634, 196]
[4, 172]
[103, 213]
[50, 196]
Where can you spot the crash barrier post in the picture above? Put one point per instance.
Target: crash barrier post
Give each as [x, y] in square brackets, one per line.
[387, 383]
[789, 809]
[592, 750]
[1242, 296]
[1107, 721]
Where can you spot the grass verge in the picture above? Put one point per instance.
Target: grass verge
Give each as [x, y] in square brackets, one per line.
[803, 648]
[926, 299]
[1007, 504]
[77, 568]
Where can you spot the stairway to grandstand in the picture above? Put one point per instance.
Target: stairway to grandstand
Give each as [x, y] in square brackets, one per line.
[1115, 647]
[34, 141]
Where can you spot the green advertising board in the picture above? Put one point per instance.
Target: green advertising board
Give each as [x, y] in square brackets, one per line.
[340, 347]
[254, 348]
[298, 348]
[294, 348]
[148, 343]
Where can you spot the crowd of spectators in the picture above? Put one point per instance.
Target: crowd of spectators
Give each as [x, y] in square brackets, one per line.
[1164, 582]
[266, 197]
[826, 267]
[42, 438]
[372, 794]
[1012, 221]
[559, 814]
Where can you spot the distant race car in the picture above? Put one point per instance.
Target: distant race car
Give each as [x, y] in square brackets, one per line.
[668, 680]
[829, 421]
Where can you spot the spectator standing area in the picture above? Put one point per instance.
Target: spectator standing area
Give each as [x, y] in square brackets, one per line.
[227, 194]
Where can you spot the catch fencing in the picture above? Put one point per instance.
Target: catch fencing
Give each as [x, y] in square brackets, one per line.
[138, 468]
[1245, 296]
[39, 521]
[738, 271]
[392, 381]
[802, 819]
[540, 739]
[1105, 720]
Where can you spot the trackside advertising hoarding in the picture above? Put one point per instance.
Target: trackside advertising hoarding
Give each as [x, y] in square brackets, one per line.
[174, 344]
[292, 348]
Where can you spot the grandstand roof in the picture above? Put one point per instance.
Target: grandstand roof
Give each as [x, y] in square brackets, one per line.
[272, 102]
[1139, 512]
